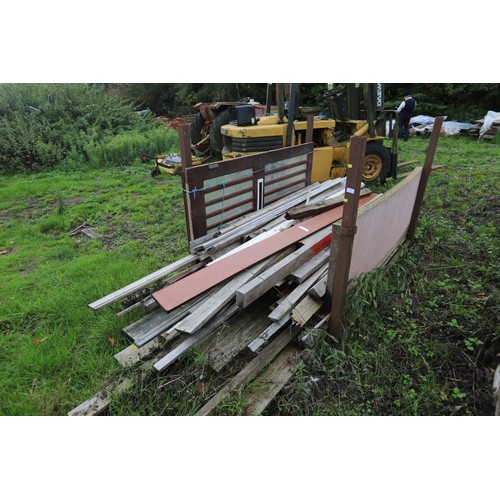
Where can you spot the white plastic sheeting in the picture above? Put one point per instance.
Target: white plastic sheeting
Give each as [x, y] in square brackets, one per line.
[490, 117]
[422, 120]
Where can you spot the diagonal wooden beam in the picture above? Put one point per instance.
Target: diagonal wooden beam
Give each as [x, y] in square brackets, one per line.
[426, 171]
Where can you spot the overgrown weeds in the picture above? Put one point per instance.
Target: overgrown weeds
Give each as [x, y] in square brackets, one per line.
[423, 339]
[71, 127]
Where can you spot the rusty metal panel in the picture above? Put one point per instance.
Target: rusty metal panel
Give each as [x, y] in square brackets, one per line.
[218, 193]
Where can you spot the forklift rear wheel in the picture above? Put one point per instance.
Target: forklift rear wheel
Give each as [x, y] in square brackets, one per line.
[216, 140]
[377, 164]
[196, 130]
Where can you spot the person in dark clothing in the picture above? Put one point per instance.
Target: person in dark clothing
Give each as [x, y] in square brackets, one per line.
[405, 111]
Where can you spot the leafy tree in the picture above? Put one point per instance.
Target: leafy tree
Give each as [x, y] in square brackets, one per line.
[458, 101]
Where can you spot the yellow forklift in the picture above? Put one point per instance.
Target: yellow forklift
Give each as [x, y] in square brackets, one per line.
[356, 109]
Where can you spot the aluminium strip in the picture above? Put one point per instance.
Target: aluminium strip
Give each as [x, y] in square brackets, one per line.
[143, 282]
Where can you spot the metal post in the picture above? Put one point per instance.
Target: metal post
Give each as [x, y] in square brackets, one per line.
[369, 108]
[309, 138]
[186, 162]
[281, 101]
[268, 99]
[426, 171]
[348, 229]
[291, 113]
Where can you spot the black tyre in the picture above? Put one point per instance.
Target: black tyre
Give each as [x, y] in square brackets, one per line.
[377, 164]
[197, 129]
[216, 140]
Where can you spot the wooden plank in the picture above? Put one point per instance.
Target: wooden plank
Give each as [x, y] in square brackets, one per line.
[305, 310]
[406, 174]
[341, 266]
[133, 354]
[173, 318]
[264, 337]
[266, 280]
[146, 323]
[143, 282]
[404, 163]
[311, 266]
[426, 170]
[204, 279]
[320, 207]
[311, 337]
[217, 301]
[318, 291]
[297, 294]
[228, 343]
[100, 401]
[258, 237]
[251, 370]
[270, 382]
[192, 340]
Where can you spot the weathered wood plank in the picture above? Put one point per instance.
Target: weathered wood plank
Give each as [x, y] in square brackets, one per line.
[251, 370]
[192, 340]
[146, 323]
[270, 382]
[318, 290]
[252, 290]
[305, 310]
[218, 300]
[228, 343]
[264, 337]
[320, 207]
[311, 266]
[133, 354]
[173, 319]
[297, 294]
[100, 401]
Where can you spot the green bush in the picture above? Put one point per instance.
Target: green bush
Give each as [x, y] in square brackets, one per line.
[124, 148]
[42, 125]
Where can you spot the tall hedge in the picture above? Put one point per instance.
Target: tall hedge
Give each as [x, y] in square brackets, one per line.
[41, 124]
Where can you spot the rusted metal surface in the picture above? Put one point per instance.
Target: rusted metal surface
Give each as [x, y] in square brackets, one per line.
[204, 279]
[347, 232]
[218, 193]
[436, 130]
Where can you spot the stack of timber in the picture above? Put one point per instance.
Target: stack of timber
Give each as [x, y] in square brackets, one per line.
[242, 293]
[493, 130]
[475, 130]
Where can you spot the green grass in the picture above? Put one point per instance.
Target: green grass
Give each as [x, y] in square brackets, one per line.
[418, 341]
[54, 350]
[422, 339]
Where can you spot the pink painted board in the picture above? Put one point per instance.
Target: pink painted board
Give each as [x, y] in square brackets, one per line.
[382, 224]
[185, 289]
